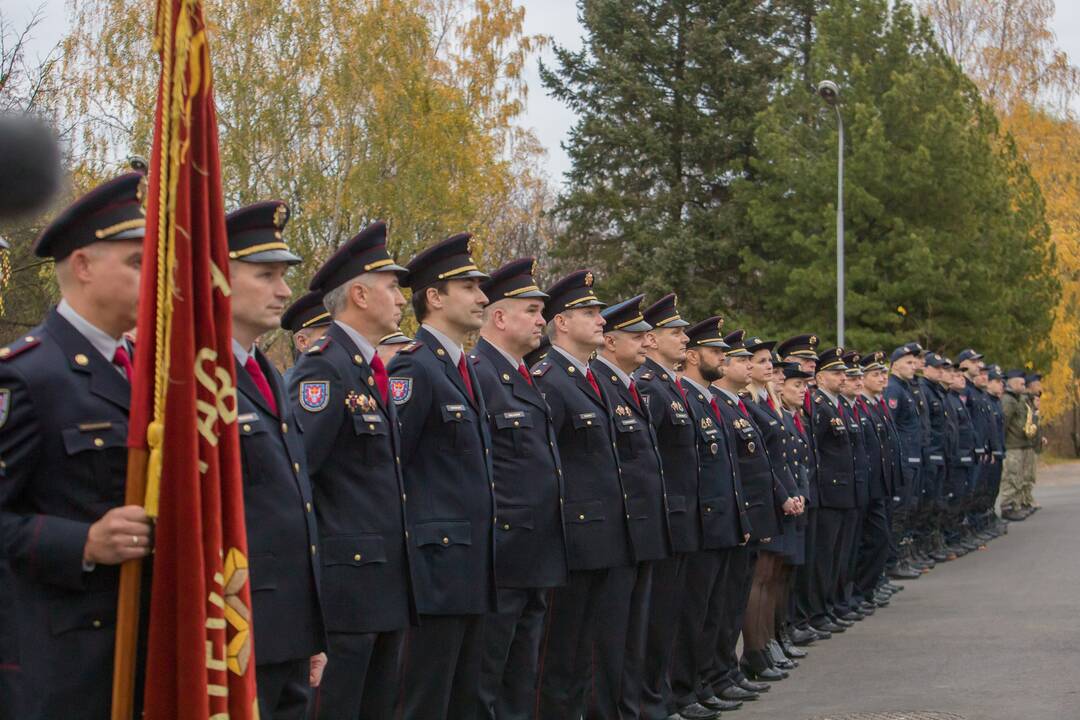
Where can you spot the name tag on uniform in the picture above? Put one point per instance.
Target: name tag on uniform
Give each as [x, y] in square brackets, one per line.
[372, 418]
[247, 417]
[514, 414]
[455, 408]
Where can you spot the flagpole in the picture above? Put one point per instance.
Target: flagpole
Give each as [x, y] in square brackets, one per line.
[127, 608]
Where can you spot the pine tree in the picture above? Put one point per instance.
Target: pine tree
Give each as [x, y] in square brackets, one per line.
[666, 95]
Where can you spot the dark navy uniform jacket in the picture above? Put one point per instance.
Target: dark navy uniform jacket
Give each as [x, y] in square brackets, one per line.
[904, 409]
[916, 389]
[63, 440]
[770, 424]
[878, 448]
[894, 478]
[982, 418]
[642, 472]
[353, 449]
[861, 431]
[595, 511]
[997, 427]
[934, 396]
[963, 454]
[446, 457]
[529, 539]
[281, 533]
[721, 505]
[800, 458]
[835, 454]
[676, 436]
[764, 494]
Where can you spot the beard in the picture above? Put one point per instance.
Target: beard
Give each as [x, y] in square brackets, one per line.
[711, 374]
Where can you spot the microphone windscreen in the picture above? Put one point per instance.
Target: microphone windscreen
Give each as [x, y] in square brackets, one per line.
[30, 173]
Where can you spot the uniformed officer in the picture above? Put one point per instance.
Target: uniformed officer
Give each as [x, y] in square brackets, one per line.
[860, 429]
[623, 352]
[446, 457]
[530, 544]
[874, 543]
[1019, 442]
[836, 486]
[391, 344]
[971, 364]
[765, 496]
[307, 320]
[759, 628]
[936, 485]
[705, 666]
[802, 351]
[595, 513]
[903, 407]
[64, 398]
[962, 459]
[995, 387]
[677, 437]
[281, 533]
[339, 390]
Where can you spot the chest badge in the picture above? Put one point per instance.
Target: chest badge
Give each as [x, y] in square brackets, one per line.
[892, 403]
[356, 402]
[314, 395]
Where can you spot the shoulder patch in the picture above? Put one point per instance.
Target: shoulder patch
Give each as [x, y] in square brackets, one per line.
[314, 395]
[400, 389]
[412, 347]
[319, 345]
[19, 346]
[893, 403]
[5, 406]
[541, 369]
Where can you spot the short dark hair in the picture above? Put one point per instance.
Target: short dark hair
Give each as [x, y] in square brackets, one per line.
[419, 298]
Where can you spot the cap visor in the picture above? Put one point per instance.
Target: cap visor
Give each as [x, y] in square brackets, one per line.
[712, 343]
[675, 323]
[392, 268]
[741, 352]
[531, 294]
[468, 275]
[638, 327]
[272, 256]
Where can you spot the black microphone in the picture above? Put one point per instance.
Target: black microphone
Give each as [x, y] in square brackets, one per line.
[30, 173]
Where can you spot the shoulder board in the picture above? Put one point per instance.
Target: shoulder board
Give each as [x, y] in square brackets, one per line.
[542, 368]
[412, 347]
[19, 346]
[319, 345]
[817, 398]
[646, 376]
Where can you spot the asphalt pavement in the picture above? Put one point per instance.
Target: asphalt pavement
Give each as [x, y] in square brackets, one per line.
[994, 635]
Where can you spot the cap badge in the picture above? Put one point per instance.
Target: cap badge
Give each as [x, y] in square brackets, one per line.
[588, 279]
[281, 214]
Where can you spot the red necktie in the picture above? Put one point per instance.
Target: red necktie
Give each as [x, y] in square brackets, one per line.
[592, 381]
[884, 407]
[769, 400]
[524, 373]
[382, 381]
[798, 423]
[682, 391]
[461, 367]
[634, 394]
[122, 360]
[742, 408]
[715, 408]
[256, 373]
[806, 402]
[840, 409]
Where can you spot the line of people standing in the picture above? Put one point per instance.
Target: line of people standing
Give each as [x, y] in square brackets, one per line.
[578, 518]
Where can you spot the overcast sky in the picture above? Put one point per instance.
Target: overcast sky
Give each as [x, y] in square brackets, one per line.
[556, 18]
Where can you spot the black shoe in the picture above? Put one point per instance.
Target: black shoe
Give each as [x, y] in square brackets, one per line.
[882, 599]
[721, 705]
[851, 616]
[902, 573]
[793, 652]
[841, 621]
[775, 656]
[1011, 515]
[800, 636]
[940, 556]
[821, 634]
[828, 627]
[735, 693]
[892, 587]
[755, 665]
[697, 711]
[747, 684]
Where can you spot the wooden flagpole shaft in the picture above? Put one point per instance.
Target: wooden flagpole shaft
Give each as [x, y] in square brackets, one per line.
[127, 606]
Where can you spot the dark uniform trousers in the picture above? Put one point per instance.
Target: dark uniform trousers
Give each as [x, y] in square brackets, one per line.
[737, 573]
[836, 483]
[446, 456]
[859, 429]
[530, 541]
[711, 591]
[676, 433]
[352, 444]
[282, 537]
[584, 639]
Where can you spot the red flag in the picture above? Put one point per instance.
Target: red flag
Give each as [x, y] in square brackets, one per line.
[200, 661]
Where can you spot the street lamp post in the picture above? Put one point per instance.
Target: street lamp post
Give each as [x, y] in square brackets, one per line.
[830, 93]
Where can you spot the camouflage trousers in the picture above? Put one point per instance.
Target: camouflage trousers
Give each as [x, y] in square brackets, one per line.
[1018, 478]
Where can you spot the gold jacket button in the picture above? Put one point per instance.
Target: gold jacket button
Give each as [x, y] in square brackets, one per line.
[506, 526]
[446, 541]
[98, 442]
[307, 506]
[96, 623]
[357, 557]
[313, 550]
[247, 428]
[284, 427]
[296, 468]
[581, 517]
